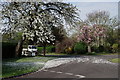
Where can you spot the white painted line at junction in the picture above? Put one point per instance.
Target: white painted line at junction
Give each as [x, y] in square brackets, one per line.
[52, 71]
[45, 70]
[60, 72]
[80, 76]
[69, 73]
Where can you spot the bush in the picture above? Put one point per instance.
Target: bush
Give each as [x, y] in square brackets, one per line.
[61, 46]
[69, 50]
[95, 49]
[49, 49]
[115, 47]
[40, 49]
[98, 49]
[8, 49]
[92, 53]
[80, 48]
[107, 48]
[101, 48]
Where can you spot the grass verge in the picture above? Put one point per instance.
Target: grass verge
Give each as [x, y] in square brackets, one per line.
[116, 60]
[18, 66]
[56, 54]
[108, 53]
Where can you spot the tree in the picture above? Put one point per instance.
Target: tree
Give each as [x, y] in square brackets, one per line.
[98, 18]
[36, 19]
[103, 19]
[15, 37]
[90, 34]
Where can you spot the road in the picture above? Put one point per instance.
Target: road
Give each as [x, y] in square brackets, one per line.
[77, 70]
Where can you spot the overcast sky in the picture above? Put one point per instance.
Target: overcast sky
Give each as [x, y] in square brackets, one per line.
[88, 7]
[91, 0]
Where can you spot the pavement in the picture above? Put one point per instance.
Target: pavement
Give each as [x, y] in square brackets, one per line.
[77, 68]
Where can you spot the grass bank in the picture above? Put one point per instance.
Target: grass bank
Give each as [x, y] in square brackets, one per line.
[18, 66]
[116, 60]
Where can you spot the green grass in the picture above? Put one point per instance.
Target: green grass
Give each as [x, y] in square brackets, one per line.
[56, 54]
[108, 53]
[116, 60]
[29, 59]
[18, 66]
[8, 70]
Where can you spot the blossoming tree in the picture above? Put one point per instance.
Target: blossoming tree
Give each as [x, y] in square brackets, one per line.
[90, 35]
[37, 20]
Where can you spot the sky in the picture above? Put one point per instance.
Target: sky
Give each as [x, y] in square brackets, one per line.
[88, 7]
[91, 0]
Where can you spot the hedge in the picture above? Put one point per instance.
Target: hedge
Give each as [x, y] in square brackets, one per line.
[80, 48]
[48, 49]
[8, 49]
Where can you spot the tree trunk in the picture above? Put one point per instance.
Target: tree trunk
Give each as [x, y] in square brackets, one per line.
[89, 49]
[98, 41]
[19, 48]
[44, 49]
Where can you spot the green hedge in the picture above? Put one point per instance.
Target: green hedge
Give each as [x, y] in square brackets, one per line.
[49, 49]
[8, 49]
[40, 49]
[80, 48]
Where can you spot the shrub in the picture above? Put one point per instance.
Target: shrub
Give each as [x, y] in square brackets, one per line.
[92, 53]
[40, 49]
[95, 49]
[48, 49]
[101, 48]
[80, 48]
[8, 49]
[115, 47]
[69, 50]
[64, 44]
[107, 48]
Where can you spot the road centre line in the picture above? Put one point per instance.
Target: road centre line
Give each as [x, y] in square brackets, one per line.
[59, 72]
[80, 76]
[69, 73]
[45, 70]
[52, 71]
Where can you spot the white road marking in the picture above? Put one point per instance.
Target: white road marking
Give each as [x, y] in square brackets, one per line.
[52, 71]
[80, 76]
[59, 72]
[45, 70]
[69, 73]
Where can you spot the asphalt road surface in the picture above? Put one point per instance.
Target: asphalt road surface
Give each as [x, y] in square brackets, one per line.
[77, 71]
